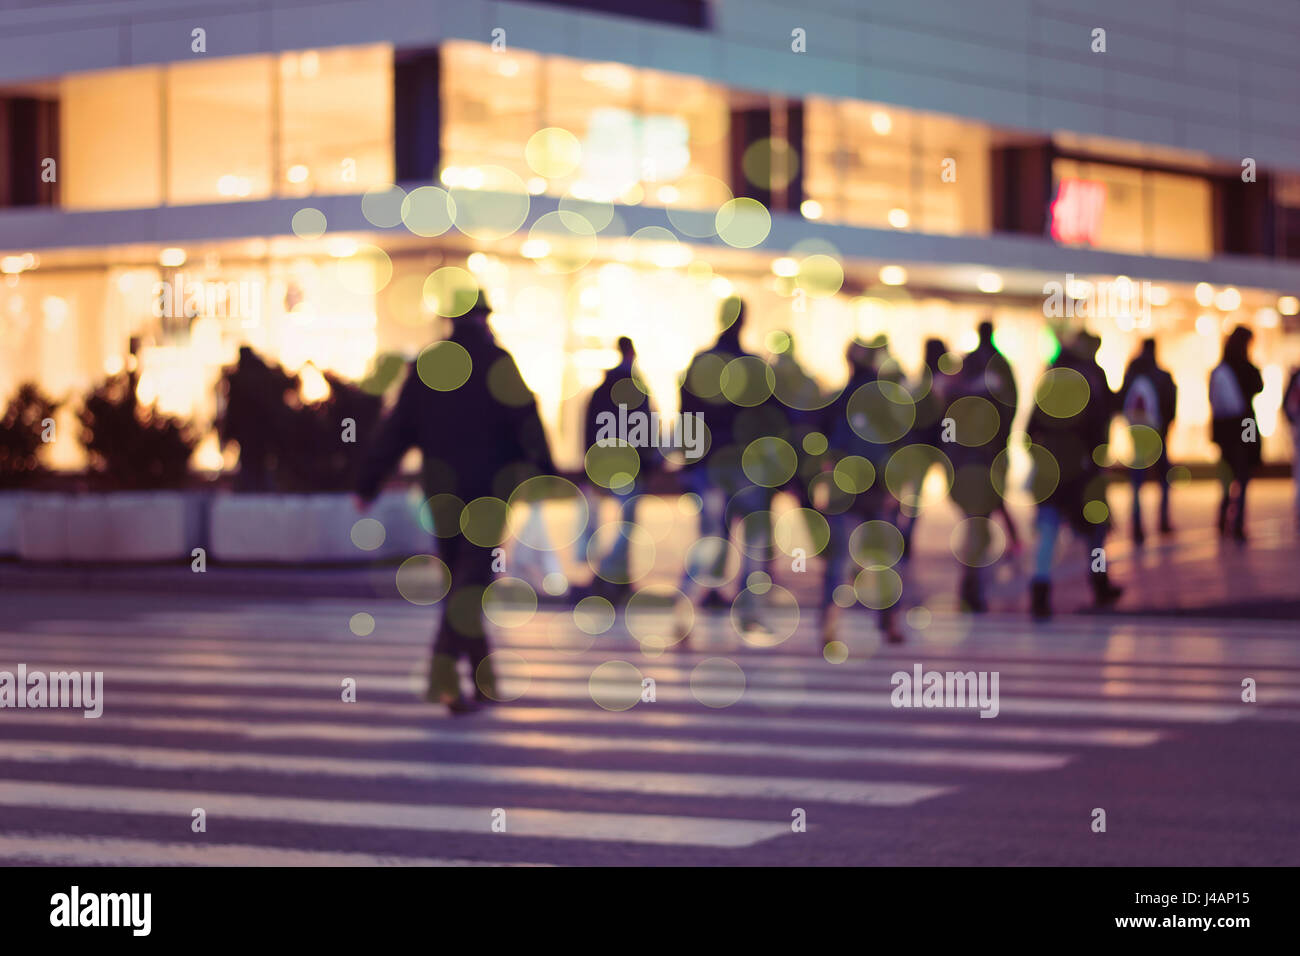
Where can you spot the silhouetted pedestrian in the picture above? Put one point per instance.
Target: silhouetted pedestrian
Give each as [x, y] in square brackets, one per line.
[728, 387]
[866, 426]
[930, 394]
[1234, 383]
[1291, 408]
[987, 364]
[621, 392]
[477, 427]
[982, 402]
[1149, 397]
[1071, 420]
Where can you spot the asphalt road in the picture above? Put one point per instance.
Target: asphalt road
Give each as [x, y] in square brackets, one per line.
[234, 706]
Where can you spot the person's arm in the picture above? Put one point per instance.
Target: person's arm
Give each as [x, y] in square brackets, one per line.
[396, 435]
[529, 434]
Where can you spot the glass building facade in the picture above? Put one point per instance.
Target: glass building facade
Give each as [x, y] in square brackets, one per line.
[534, 175]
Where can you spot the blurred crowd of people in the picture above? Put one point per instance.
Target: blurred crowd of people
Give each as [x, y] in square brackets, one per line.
[858, 457]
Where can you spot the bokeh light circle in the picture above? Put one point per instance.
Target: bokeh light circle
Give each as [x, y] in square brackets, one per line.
[484, 520]
[743, 222]
[428, 211]
[1062, 392]
[615, 685]
[553, 152]
[878, 588]
[423, 579]
[593, 614]
[444, 366]
[382, 205]
[450, 291]
[509, 602]
[494, 210]
[506, 669]
[368, 534]
[718, 682]
[653, 615]
[977, 542]
[308, 223]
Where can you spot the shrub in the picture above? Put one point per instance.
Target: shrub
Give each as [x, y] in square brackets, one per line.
[132, 447]
[21, 443]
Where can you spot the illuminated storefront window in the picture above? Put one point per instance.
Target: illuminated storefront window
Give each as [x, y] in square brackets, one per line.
[1131, 210]
[228, 129]
[627, 134]
[336, 120]
[885, 167]
[111, 134]
[219, 123]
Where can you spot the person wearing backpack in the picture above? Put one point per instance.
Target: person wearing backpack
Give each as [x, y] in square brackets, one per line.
[1291, 408]
[1149, 397]
[1234, 383]
[863, 427]
[1071, 436]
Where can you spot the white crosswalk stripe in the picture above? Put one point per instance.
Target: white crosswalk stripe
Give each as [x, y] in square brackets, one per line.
[240, 713]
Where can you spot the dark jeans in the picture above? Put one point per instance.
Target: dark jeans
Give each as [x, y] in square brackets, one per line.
[461, 632]
[1235, 470]
[1139, 477]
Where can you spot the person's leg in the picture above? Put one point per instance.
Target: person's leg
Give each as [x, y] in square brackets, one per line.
[709, 562]
[836, 560]
[462, 631]
[444, 682]
[1225, 498]
[1163, 468]
[1137, 477]
[1243, 475]
[614, 565]
[1295, 469]
[1048, 525]
[583, 545]
[974, 557]
[752, 506]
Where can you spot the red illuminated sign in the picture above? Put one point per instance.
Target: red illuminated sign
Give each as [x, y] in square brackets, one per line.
[1076, 210]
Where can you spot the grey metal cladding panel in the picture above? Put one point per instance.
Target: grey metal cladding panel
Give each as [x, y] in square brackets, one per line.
[166, 40]
[28, 56]
[917, 49]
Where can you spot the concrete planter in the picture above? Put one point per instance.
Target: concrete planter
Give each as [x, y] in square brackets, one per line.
[43, 527]
[152, 526]
[127, 526]
[11, 507]
[310, 529]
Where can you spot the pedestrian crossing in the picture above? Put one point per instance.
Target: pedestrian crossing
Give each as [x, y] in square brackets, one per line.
[237, 710]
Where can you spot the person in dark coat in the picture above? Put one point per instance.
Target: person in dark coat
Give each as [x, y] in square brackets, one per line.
[869, 426]
[621, 386]
[991, 376]
[1234, 383]
[979, 462]
[931, 398]
[1149, 397]
[736, 405]
[1291, 408]
[1071, 420]
[465, 406]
